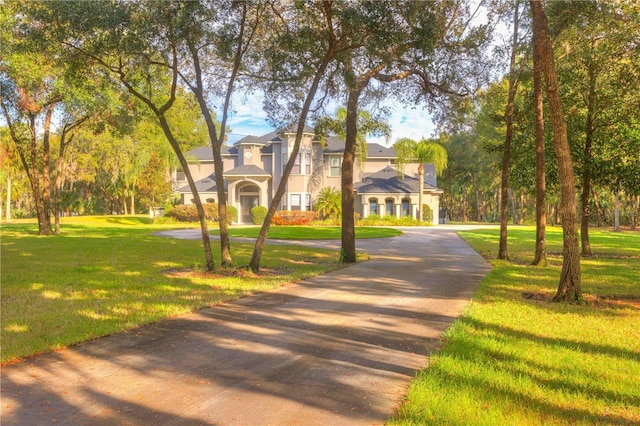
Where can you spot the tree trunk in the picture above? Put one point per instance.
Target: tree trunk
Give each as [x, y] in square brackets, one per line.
[586, 170]
[634, 202]
[514, 207]
[420, 191]
[506, 154]
[206, 241]
[599, 212]
[569, 288]
[348, 254]
[33, 173]
[132, 208]
[8, 207]
[256, 257]
[616, 212]
[57, 189]
[540, 258]
[46, 168]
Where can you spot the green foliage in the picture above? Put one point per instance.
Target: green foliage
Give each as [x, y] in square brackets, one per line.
[506, 361]
[232, 214]
[189, 212]
[154, 188]
[258, 213]
[426, 213]
[410, 151]
[367, 126]
[329, 203]
[388, 220]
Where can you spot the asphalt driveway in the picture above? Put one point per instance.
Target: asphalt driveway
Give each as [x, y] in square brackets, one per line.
[340, 348]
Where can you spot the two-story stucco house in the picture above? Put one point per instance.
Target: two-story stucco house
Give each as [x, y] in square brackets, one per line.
[253, 169]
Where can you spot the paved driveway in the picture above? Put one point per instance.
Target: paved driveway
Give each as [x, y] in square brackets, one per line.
[340, 348]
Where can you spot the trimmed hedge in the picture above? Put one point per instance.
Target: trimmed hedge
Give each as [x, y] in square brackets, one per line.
[258, 213]
[189, 212]
[293, 217]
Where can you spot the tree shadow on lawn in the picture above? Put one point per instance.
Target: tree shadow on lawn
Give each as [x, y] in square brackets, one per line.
[277, 346]
[481, 357]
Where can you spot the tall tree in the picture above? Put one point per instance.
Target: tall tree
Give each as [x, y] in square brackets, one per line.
[540, 257]
[218, 37]
[154, 186]
[598, 73]
[569, 288]
[139, 45]
[310, 33]
[423, 152]
[513, 87]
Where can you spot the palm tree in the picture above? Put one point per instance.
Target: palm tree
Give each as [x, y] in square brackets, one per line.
[410, 151]
[367, 125]
[329, 202]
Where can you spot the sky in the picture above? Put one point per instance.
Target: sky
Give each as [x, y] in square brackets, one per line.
[248, 118]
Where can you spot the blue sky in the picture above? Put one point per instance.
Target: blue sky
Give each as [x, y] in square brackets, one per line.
[248, 118]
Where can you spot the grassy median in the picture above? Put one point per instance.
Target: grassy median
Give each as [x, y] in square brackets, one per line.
[516, 358]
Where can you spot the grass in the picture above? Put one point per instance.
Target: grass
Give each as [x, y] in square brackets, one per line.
[515, 357]
[108, 274]
[310, 232]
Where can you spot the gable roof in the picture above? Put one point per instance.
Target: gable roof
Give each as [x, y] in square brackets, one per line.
[207, 184]
[205, 153]
[387, 181]
[247, 170]
[375, 150]
[258, 140]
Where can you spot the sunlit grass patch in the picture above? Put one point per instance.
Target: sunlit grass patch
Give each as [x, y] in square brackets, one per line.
[107, 274]
[311, 232]
[515, 357]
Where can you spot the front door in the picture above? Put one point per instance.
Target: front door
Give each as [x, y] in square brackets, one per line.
[247, 202]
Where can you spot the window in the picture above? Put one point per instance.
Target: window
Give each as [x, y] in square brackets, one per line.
[307, 202]
[389, 207]
[180, 176]
[295, 202]
[307, 163]
[373, 206]
[335, 166]
[406, 204]
[296, 166]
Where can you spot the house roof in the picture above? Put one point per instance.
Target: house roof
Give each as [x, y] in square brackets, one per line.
[247, 170]
[375, 150]
[333, 145]
[258, 140]
[207, 184]
[205, 153]
[387, 181]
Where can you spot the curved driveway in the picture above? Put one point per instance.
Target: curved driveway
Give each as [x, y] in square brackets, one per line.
[339, 348]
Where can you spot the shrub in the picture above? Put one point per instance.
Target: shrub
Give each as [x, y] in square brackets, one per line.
[232, 214]
[189, 212]
[258, 213]
[426, 213]
[183, 213]
[389, 220]
[293, 217]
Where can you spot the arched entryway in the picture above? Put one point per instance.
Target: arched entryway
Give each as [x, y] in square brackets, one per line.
[249, 198]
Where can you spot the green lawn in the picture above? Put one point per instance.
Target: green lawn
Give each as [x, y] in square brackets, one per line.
[515, 358]
[107, 274]
[310, 232]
